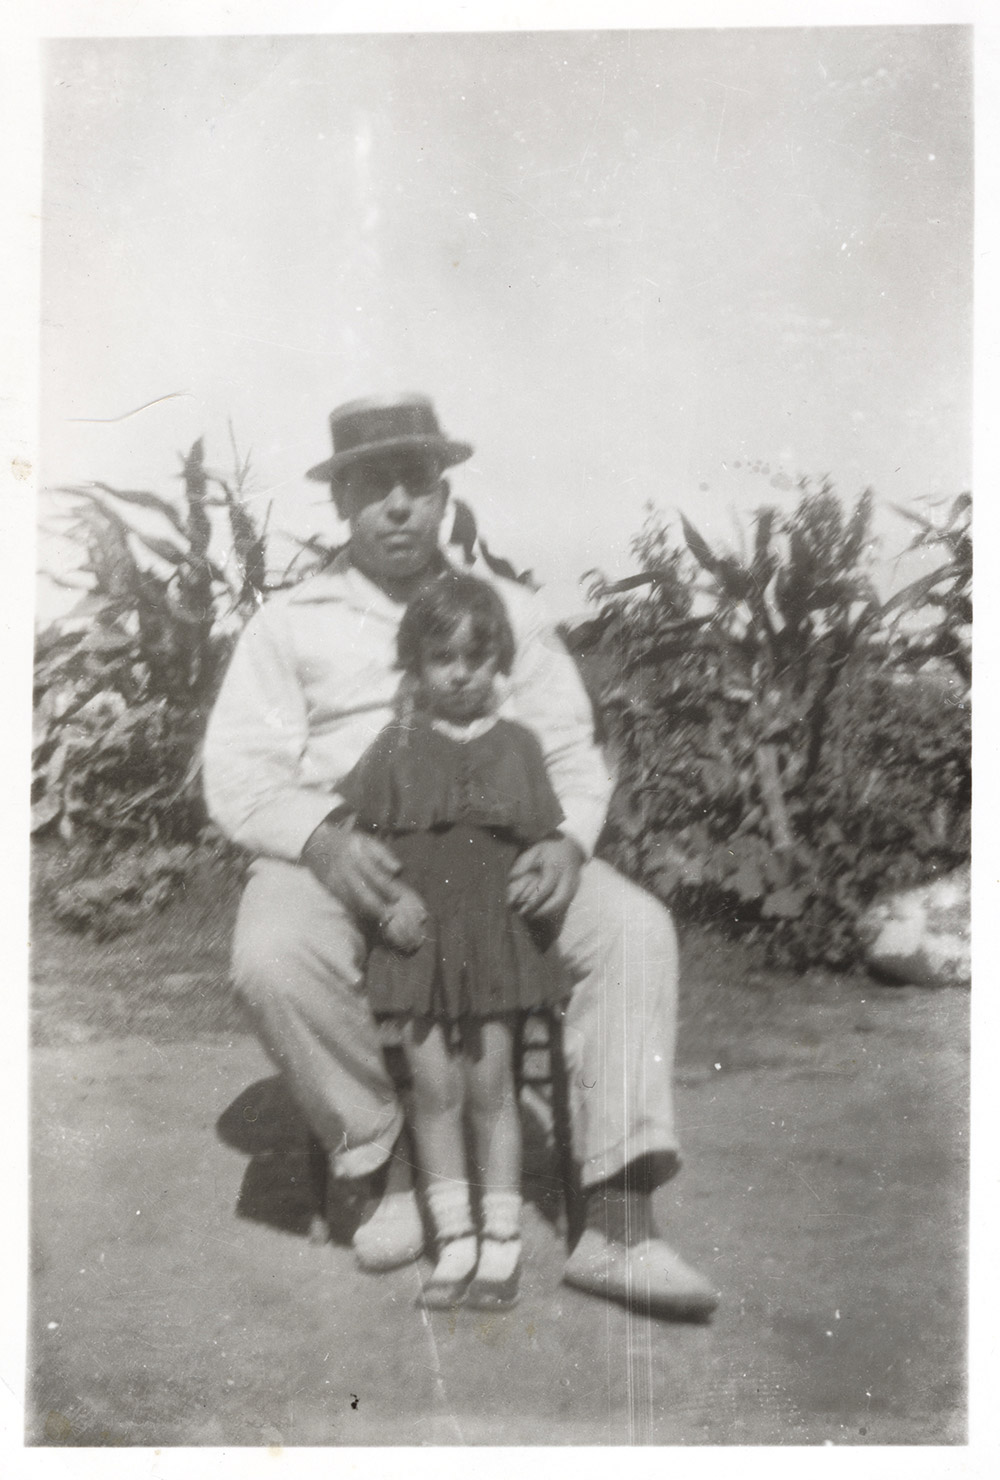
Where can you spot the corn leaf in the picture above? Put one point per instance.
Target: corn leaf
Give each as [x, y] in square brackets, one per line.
[150, 501]
[699, 547]
[165, 549]
[917, 591]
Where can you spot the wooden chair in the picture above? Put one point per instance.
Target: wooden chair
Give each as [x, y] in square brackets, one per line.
[541, 1077]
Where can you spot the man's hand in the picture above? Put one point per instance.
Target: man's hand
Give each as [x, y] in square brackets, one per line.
[404, 925]
[358, 869]
[544, 879]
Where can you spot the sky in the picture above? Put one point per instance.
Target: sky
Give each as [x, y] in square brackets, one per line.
[628, 266]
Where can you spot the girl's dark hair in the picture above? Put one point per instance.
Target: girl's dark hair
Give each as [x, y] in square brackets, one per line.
[436, 611]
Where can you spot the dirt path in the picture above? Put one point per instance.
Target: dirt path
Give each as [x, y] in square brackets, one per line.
[824, 1191]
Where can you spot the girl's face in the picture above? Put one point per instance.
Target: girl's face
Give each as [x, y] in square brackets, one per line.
[457, 675]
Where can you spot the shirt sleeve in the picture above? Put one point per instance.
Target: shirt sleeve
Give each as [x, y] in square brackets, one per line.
[254, 745]
[547, 695]
[541, 814]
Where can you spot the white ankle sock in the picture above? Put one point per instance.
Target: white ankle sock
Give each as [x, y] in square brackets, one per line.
[501, 1214]
[500, 1249]
[451, 1214]
[451, 1211]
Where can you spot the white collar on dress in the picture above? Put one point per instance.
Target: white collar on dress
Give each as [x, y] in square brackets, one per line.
[465, 733]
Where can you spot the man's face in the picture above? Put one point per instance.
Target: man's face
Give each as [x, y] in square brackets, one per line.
[394, 505]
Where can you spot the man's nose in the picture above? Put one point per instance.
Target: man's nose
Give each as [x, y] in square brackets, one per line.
[398, 503]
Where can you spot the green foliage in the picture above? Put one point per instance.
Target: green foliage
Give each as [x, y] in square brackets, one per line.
[943, 597]
[106, 902]
[776, 768]
[124, 685]
[123, 688]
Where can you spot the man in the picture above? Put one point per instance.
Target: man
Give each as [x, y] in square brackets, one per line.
[311, 683]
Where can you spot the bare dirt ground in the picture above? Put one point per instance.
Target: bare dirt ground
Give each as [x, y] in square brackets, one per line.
[175, 1299]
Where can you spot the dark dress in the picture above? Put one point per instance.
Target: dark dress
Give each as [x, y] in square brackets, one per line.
[456, 814]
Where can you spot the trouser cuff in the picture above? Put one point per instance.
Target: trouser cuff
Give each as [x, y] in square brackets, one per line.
[361, 1161]
[656, 1146]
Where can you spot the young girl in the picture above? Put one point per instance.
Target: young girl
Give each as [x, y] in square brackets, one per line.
[457, 793]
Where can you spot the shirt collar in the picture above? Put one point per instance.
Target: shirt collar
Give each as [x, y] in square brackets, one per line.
[343, 582]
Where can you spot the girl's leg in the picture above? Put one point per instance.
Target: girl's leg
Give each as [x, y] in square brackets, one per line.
[492, 1101]
[437, 1098]
[496, 1133]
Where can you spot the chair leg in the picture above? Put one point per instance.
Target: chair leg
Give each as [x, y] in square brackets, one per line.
[520, 1025]
[319, 1181]
[569, 1172]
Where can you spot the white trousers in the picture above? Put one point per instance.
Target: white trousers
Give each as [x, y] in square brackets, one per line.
[298, 964]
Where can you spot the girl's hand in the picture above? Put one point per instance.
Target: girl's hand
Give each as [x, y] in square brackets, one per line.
[545, 878]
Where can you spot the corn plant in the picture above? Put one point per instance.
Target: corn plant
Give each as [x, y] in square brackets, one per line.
[746, 695]
[944, 595]
[124, 684]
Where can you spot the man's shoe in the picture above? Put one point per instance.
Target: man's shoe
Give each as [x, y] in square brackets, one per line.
[392, 1236]
[648, 1277]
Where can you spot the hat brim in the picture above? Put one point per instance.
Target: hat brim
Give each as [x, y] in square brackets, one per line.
[447, 452]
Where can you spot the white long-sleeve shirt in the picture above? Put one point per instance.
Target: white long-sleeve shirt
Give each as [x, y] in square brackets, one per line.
[312, 682]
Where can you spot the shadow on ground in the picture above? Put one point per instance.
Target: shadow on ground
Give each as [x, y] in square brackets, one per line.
[281, 1188]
